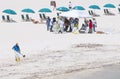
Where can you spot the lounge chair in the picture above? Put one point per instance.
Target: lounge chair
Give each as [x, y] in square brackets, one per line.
[92, 12]
[105, 12]
[8, 18]
[40, 16]
[23, 18]
[3, 17]
[27, 17]
[109, 13]
[44, 17]
[89, 12]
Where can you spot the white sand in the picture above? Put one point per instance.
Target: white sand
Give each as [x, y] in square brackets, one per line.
[49, 54]
[106, 72]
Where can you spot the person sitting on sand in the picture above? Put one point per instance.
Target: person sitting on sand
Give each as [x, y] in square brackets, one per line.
[35, 22]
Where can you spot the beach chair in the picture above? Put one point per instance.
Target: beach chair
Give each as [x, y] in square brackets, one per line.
[89, 12]
[92, 12]
[105, 12]
[27, 17]
[40, 16]
[3, 18]
[44, 17]
[8, 18]
[109, 13]
[23, 18]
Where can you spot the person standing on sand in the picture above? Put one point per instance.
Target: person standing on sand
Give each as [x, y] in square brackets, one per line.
[94, 24]
[61, 25]
[17, 51]
[90, 25]
[48, 20]
[54, 5]
[70, 5]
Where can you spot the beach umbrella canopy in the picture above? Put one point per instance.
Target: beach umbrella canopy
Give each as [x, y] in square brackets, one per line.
[94, 7]
[28, 10]
[62, 9]
[78, 8]
[9, 11]
[109, 6]
[45, 10]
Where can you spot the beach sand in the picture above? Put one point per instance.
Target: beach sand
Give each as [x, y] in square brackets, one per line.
[59, 56]
[106, 72]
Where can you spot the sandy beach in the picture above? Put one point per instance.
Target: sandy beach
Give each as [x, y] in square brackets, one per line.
[106, 72]
[50, 55]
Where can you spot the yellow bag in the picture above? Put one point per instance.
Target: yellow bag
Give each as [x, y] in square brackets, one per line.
[18, 59]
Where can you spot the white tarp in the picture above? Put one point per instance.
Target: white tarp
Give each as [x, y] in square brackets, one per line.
[76, 14]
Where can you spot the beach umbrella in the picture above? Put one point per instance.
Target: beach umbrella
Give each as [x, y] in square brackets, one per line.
[109, 6]
[62, 9]
[9, 11]
[28, 10]
[78, 8]
[94, 7]
[47, 10]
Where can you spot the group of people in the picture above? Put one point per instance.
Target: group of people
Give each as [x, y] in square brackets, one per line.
[63, 24]
[91, 24]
